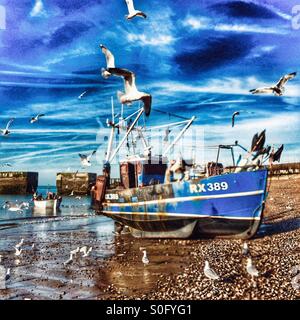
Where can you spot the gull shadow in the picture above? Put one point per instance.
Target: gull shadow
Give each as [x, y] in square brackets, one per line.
[278, 227]
[230, 278]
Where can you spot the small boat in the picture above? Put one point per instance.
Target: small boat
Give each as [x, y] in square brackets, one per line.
[50, 204]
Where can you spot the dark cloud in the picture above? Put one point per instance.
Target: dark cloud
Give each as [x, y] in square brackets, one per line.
[66, 34]
[20, 47]
[241, 9]
[69, 6]
[216, 53]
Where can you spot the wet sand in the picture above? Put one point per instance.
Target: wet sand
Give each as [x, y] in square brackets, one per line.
[114, 269]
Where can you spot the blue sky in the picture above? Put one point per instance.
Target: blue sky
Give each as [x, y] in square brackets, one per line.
[195, 58]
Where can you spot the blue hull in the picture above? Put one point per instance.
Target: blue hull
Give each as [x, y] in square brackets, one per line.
[229, 205]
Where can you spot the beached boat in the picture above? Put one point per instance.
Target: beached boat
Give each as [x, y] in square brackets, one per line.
[211, 204]
[52, 204]
[226, 205]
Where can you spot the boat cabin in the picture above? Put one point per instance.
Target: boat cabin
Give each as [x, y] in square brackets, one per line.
[139, 172]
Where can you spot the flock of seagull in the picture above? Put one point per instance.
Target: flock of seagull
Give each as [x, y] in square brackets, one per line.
[211, 273]
[85, 160]
[5, 272]
[6, 131]
[250, 267]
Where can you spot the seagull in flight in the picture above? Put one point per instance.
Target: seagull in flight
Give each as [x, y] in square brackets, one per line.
[36, 118]
[83, 94]
[131, 92]
[132, 12]
[110, 62]
[209, 272]
[86, 159]
[15, 207]
[70, 260]
[6, 131]
[38, 9]
[18, 252]
[18, 245]
[7, 164]
[278, 89]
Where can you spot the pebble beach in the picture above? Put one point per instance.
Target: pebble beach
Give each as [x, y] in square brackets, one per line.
[114, 269]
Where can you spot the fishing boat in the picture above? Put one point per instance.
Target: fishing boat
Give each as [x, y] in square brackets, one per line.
[47, 204]
[211, 203]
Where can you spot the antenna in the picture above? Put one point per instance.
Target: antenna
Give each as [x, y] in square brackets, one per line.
[112, 110]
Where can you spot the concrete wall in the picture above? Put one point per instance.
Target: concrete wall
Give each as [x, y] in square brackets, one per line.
[79, 183]
[18, 182]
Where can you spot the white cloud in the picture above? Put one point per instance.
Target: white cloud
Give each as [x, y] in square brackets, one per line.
[160, 40]
[196, 23]
[248, 28]
[226, 86]
[204, 23]
[74, 53]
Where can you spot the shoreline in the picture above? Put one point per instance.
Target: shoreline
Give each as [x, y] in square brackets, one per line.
[114, 269]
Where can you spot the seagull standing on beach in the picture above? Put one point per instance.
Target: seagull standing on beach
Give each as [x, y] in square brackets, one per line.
[6, 132]
[209, 272]
[251, 270]
[145, 259]
[36, 118]
[237, 113]
[86, 160]
[245, 250]
[278, 89]
[131, 92]
[4, 275]
[7, 276]
[132, 12]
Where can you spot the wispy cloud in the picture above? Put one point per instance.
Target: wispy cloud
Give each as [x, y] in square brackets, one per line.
[142, 39]
[227, 85]
[205, 23]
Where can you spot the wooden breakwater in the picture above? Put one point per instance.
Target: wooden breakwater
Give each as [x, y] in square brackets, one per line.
[278, 169]
[18, 182]
[79, 183]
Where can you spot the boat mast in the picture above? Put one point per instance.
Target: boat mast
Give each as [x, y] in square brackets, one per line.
[179, 136]
[140, 112]
[112, 132]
